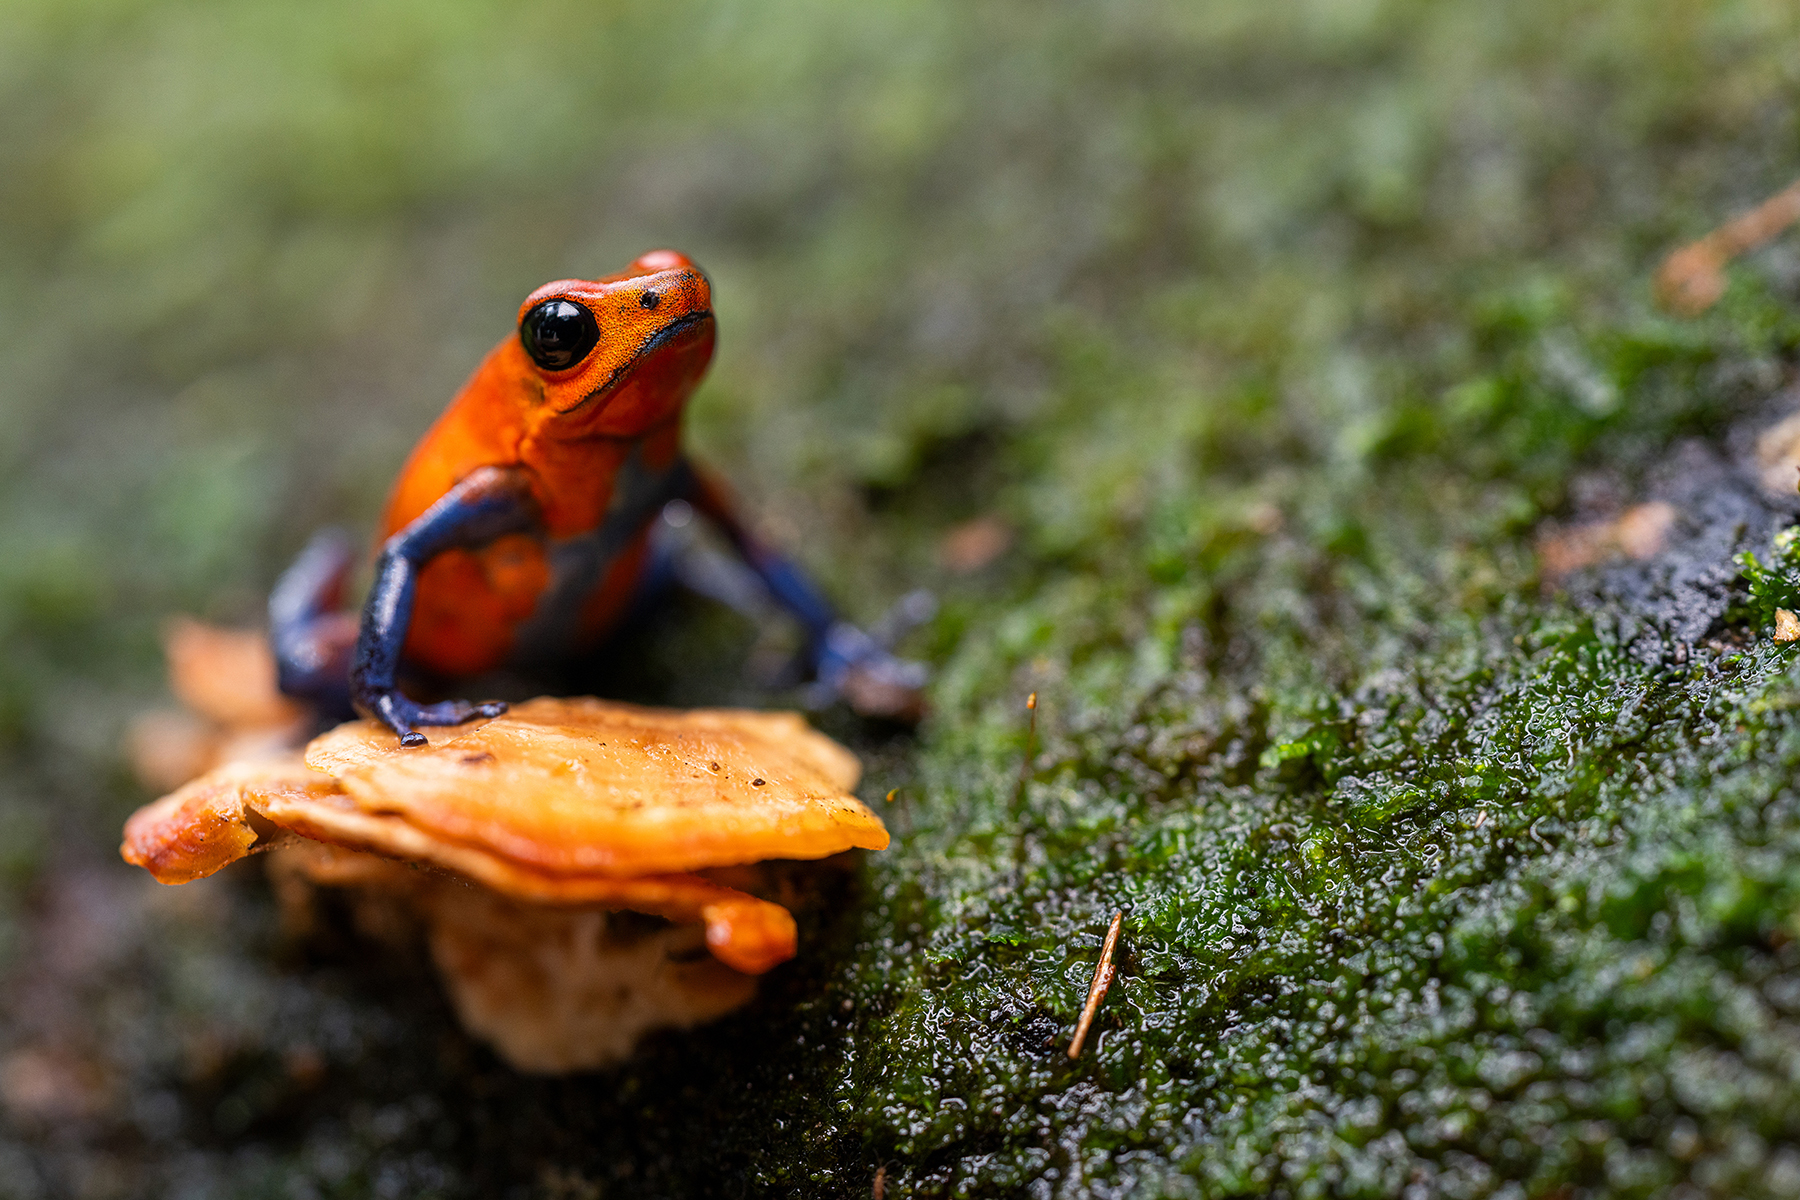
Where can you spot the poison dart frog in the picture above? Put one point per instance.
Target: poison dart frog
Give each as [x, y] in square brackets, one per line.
[521, 529]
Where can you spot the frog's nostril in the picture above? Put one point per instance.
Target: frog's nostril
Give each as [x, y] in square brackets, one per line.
[649, 300]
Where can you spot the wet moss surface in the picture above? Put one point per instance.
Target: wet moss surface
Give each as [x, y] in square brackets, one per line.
[1271, 343]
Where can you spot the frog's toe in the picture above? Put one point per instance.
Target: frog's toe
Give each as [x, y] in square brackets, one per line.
[890, 690]
[457, 712]
[853, 667]
[396, 712]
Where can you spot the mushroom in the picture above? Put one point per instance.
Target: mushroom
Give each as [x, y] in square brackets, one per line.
[225, 680]
[540, 833]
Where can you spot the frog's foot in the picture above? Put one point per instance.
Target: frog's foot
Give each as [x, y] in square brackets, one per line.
[854, 667]
[403, 716]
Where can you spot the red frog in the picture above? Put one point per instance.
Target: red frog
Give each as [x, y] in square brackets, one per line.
[522, 528]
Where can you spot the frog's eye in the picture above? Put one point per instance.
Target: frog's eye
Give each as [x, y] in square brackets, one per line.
[558, 334]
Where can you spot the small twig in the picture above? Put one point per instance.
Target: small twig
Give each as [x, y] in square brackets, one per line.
[1693, 277]
[1103, 977]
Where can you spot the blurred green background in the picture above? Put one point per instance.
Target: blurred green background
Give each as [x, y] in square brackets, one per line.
[1272, 331]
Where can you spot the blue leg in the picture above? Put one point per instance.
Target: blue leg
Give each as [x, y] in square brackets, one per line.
[487, 504]
[845, 660]
[311, 638]
[678, 555]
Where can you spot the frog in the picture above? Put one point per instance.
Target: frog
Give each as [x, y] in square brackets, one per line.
[525, 527]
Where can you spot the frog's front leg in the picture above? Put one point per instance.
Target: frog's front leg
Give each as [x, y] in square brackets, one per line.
[491, 502]
[846, 661]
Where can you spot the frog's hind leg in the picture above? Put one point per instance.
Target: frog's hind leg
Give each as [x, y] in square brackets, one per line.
[680, 556]
[761, 584]
[312, 636]
[845, 661]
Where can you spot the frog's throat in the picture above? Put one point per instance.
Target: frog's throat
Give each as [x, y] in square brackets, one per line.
[661, 338]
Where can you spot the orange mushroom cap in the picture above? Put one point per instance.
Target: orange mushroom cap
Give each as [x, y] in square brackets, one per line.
[560, 802]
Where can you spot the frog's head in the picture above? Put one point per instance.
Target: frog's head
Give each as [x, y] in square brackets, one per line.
[617, 356]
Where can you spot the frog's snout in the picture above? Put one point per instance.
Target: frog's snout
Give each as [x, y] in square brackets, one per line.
[675, 294]
[674, 280]
[662, 260]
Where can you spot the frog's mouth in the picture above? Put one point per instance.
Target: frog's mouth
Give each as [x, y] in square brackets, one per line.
[679, 332]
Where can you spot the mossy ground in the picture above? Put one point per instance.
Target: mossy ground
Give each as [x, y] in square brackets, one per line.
[1275, 332]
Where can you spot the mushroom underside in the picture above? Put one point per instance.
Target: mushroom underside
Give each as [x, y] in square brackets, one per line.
[553, 989]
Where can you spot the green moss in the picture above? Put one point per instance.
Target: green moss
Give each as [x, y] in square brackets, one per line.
[1773, 584]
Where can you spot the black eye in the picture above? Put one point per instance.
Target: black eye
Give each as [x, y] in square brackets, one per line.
[649, 300]
[558, 334]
